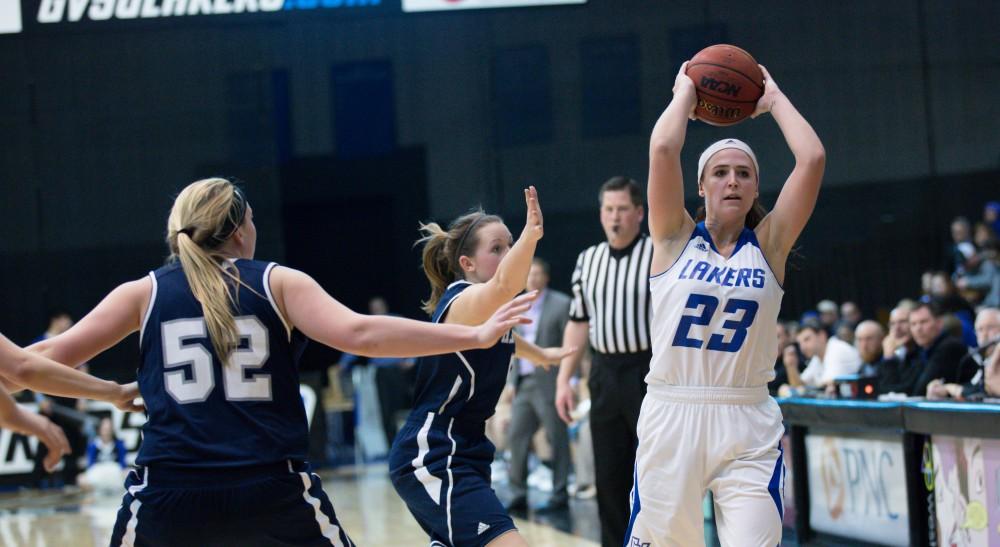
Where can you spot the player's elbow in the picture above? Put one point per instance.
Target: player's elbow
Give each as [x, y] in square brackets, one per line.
[813, 156]
[663, 146]
[364, 338]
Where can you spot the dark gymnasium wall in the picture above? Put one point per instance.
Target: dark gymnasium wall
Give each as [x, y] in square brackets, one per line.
[351, 123]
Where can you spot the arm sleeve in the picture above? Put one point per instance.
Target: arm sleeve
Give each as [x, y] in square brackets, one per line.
[983, 280]
[810, 376]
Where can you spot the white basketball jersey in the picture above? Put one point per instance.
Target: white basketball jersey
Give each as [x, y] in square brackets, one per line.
[713, 320]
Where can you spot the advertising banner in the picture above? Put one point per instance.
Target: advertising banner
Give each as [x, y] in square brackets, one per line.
[966, 475]
[857, 487]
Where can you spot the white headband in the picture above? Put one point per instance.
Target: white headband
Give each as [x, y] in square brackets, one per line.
[723, 145]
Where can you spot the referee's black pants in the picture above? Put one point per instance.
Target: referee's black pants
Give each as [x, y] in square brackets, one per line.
[617, 386]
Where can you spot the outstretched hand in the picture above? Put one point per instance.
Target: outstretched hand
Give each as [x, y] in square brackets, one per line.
[51, 435]
[533, 222]
[505, 318]
[554, 356]
[771, 93]
[126, 401]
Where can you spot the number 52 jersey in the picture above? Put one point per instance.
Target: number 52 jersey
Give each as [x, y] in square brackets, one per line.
[713, 319]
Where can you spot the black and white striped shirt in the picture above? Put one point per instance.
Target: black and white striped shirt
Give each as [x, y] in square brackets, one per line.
[611, 291]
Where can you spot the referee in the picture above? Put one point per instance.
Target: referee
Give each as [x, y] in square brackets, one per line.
[610, 309]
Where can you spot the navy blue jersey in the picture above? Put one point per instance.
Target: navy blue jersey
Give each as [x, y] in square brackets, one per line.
[206, 414]
[465, 384]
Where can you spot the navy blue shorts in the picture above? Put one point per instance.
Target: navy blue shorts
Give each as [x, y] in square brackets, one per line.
[273, 505]
[443, 474]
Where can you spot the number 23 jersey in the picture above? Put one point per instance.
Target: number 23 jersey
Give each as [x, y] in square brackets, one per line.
[713, 319]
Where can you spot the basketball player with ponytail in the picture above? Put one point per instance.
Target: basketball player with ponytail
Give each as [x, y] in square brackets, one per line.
[440, 460]
[222, 460]
[707, 422]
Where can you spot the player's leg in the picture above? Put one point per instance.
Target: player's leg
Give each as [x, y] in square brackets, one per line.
[748, 489]
[475, 515]
[666, 496]
[509, 539]
[748, 501]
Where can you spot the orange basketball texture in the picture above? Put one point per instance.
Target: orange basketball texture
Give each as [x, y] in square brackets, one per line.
[729, 83]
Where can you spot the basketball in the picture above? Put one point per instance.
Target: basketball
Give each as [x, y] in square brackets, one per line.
[728, 81]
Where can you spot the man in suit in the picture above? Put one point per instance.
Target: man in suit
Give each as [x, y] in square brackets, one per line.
[534, 396]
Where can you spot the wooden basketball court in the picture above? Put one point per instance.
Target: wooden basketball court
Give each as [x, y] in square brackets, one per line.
[364, 499]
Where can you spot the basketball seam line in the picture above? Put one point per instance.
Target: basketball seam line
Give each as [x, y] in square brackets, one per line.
[703, 92]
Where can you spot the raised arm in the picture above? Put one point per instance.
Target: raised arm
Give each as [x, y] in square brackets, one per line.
[117, 316]
[321, 317]
[35, 372]
[479, 301]
[668, 219]
[782, 227]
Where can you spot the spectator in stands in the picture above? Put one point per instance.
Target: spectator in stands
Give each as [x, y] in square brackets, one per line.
[973, 365]
[829, 357]
[791, 362]
[940, 351]
[986, 240]
[868, 336]
[844, 332]
[962, 248]
[991, 375]
[902, 363]
[945, 296]
[828, 316]
[850, 314]
[106, 466]
[985, 279]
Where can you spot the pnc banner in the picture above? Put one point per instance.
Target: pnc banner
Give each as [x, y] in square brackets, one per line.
[857, 487]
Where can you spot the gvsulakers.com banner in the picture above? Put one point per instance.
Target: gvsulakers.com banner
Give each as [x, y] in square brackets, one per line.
[442, 5]
[16, 17]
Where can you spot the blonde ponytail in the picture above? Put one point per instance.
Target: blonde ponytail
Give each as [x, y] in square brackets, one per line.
[203, 217]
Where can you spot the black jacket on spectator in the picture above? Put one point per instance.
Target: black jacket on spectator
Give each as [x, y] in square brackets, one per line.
[971, 367]
[895, 375]
[941, 360]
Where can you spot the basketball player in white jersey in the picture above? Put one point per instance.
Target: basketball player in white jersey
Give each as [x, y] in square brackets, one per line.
[707, 422]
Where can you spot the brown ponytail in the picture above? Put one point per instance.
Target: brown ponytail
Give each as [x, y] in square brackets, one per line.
[442, 250]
